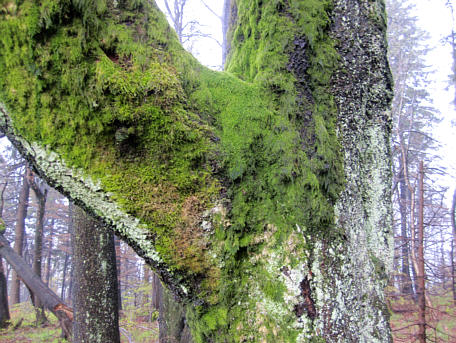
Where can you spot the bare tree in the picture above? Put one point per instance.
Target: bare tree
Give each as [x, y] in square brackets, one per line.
[453, 246]
[40, 190]
[20, 231]
[4, 309]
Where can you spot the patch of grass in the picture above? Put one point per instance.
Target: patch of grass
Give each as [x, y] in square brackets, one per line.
[135, 322]
[27, 331]
[440, 319]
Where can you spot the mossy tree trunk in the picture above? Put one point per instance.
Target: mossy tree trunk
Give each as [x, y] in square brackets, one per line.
[96, 314]
[260, 195]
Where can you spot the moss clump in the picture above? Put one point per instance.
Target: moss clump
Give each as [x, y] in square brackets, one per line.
[93, 81]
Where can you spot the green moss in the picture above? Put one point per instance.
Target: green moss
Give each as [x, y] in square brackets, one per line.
[82, 79]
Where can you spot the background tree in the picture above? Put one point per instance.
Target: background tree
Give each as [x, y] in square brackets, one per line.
[4, 309]
[413, 117]
[40, 192]
[95, 301]
[20, 230]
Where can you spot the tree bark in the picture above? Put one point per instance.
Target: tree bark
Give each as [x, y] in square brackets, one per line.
[156, 291]
[421, 272]
[96, 318]
[48, 298]
[64, 275]
[19, 232]
[49, 253]
[453, 247]
[173, 326]
[41, 196]
[119, 271]
[406, 280]
[4, 308]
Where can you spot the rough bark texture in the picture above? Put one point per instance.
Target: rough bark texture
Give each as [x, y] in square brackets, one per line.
[96, 318]
[406, 280]
[47, 297]
[260, 196]
[4, 308]
[19, 232]
[41, 195]
[172, 322]
[453, 246]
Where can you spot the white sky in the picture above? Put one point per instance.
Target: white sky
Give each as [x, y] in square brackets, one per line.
[435, 18]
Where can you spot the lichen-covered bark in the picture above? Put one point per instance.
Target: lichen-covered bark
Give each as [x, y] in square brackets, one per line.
[96, 314]
[260, 195]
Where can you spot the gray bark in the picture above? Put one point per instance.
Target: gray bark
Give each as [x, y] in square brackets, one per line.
[453, 246]
[49, 254]
[406, 280]
[19, 232]
[41, 195]
[96, 318]
[172, 320]
[4, 308]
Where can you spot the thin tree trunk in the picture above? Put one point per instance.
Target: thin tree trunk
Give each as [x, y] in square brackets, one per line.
[41, 196]
[453, 224]
[406, 280]
[173, 326]
[65, 267]
[421, 274]
[19, 232]
[68, 251]
[48, 298]
[413, 239]
[156, 291]
[49, 253]
[119, 271]
[146, 280]
[4, 309]
[95, 278]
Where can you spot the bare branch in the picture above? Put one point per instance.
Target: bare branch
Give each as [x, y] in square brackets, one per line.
[211, 10]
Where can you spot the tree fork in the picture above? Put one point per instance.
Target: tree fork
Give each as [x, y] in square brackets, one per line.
[254, 194]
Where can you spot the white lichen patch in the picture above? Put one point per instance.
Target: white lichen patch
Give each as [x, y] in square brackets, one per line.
[81, 188]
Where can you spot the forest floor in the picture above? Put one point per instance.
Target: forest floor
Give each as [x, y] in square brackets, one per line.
[133, 328]
[440, 318]
[142, 327]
